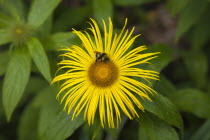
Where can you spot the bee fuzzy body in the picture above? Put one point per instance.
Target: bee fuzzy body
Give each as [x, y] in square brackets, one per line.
[101, 57]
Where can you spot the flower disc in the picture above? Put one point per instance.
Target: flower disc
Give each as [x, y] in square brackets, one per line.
[103, 74]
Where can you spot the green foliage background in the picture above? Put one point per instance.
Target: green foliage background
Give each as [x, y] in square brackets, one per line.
[31, 32]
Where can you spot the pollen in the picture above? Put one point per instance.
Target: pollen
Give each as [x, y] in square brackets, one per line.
[103, 74]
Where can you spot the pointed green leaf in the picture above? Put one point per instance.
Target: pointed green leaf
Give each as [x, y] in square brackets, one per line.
[28, 124]
[40, 11]
[1, 104]
[28, 127]
[63, 126]
[5, 20]
[153, 128]
[114, 133]
[16, 79]
[163, 58]
[45, 29]
[189, 16]
[164, 109]
[160, 105]
[49, 110]
[40, 58]
[165, 87]
[32, 118]
[197, 66]
[103, 9]
[92, 132]
[4, 59]
[14, 7]
[190, 100]
[194, 101]
[58, 40]
[4, 36]
[54, 123]
[35, 85]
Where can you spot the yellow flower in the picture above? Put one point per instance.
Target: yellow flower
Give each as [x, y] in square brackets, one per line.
[100, 75]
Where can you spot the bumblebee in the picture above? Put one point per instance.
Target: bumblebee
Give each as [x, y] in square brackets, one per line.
[101, 57]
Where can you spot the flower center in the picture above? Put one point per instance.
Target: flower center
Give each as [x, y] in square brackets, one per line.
[19, 31]
[103, 74]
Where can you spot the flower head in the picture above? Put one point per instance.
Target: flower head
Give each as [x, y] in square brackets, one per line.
[100, 75]
[20, 33]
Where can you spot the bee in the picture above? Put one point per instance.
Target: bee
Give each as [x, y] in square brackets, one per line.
[101, 57]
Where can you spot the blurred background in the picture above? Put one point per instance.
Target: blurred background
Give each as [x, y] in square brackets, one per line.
[31, 32]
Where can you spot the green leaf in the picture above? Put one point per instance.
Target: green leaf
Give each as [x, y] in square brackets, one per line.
[48, 112]
[45, 29]
[35, 84]
[103, 9]
[4, 59]
[5, 20]
[164, 109]
[54, 123]
[197, 66]
[160, 62]
[194, 101]
[40, 58]
[201, 33]
[203, 132]
[131, 2]
[40, 11]
[1, 104]
[63, 126]
[75, 16]
[164, 57]
[114, 133]
[16, 79]
[58, 40]
[45, 96]
[165, 87]
[177, 5]
[189, 16]
[92, 132]
[28, 124]
[14, 7]
[153, 128]
[18, 11]
[190, 100]
[32, 119]
[97, 132]
[160, 105]
[4, 36]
